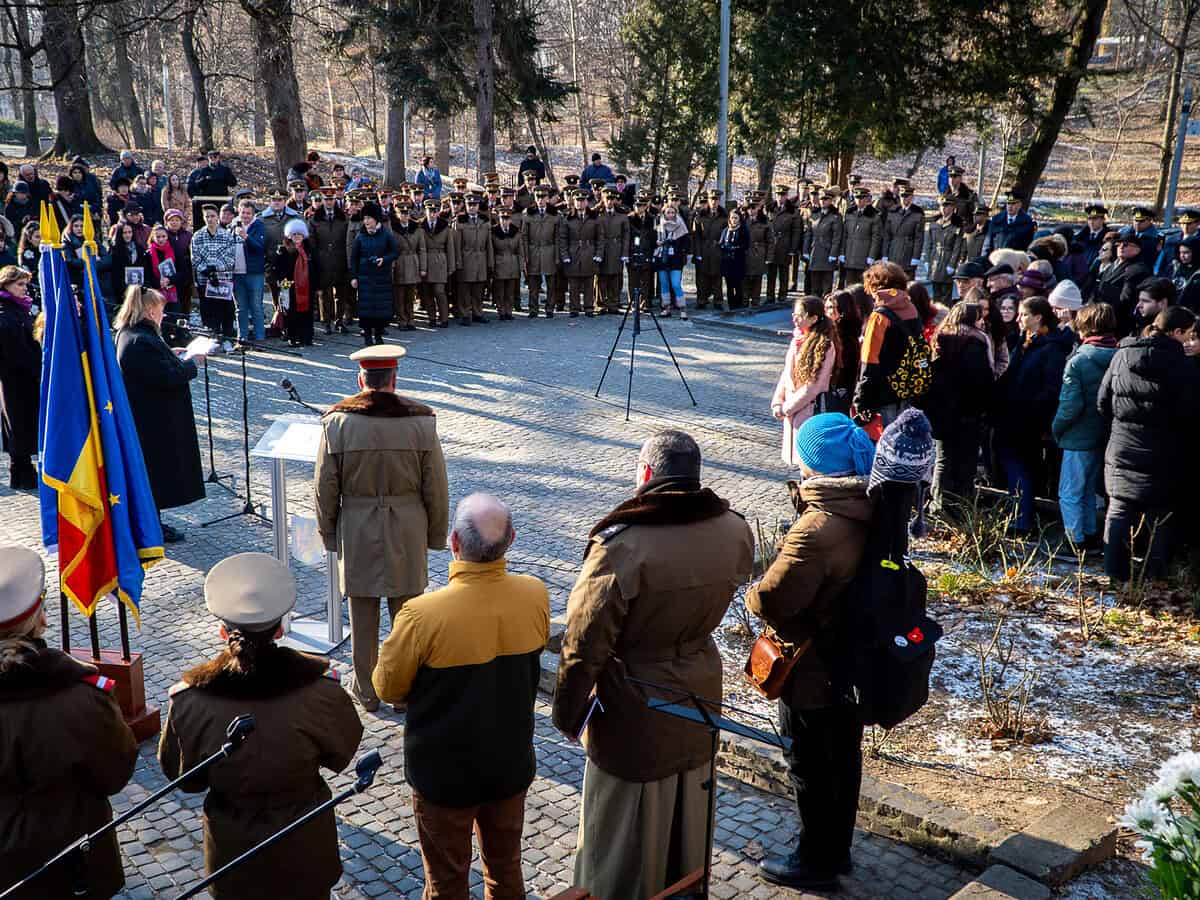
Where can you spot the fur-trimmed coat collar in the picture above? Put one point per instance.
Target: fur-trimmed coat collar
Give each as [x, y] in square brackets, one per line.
[278, 670]
[36, 669]
[669, 502]
[386, 404]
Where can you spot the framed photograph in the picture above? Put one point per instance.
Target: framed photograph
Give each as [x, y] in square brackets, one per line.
[221, 291]
[166, 269]
[134, 275]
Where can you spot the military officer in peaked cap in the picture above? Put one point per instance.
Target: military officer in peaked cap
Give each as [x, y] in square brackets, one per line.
[1189, 224]
[1147, 233]
[382, 501]
[303, 722]
[67, 747]
[1092, 235]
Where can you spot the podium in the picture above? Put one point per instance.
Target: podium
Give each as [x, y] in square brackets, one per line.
[294, 438]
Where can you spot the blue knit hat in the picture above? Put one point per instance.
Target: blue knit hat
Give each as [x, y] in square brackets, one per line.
[830, 444]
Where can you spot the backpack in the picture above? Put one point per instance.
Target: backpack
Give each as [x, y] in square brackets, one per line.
[887, 640]
[913, 375]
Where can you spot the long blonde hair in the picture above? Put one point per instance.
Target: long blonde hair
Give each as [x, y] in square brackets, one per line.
[137, 300]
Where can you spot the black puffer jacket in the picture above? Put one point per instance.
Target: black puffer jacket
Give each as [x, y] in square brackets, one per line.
[1027, 392]
[1150, 396]
[962, 382]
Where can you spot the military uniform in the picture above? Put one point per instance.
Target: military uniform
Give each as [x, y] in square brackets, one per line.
[757, 254]
[539, 250]
[506, 264]
[1147, 233]
[64, 745]
[441, 255]
[822, 247]
[965, 199]
[641, 251]
[1090, 237]
[787, 235]
[612, 245]
[862, 241]
[904, 236]
[475, 263]
[578, 249]
[945, 250]
[382, 500]
[303, 722]
[974, 238]
[707, 225]
[407, 270]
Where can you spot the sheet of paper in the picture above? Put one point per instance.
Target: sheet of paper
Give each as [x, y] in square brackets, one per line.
[201, 346]
[596, 705]
[299, 442]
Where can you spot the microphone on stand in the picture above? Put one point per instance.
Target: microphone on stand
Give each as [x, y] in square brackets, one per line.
[294, 396]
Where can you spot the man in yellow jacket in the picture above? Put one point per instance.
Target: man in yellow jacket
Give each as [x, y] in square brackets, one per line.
[466, 659]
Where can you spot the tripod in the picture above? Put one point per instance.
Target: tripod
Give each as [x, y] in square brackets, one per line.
[247, 507]
[213, 477]
[635, 296]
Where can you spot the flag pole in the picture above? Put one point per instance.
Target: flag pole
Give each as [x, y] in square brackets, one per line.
[123, 616]
[64, 610]
[94, 631]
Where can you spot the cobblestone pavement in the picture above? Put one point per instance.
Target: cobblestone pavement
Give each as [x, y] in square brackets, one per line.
[517, 417]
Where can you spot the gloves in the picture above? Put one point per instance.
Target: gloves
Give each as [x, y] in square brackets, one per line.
[805, 257]
[624, 259]
[949, 270]
[914, 263]
[697, 258]
[833, 259]
[883, 259]
[597, 259]
[841, 259]
[566, 260]
[870, 260]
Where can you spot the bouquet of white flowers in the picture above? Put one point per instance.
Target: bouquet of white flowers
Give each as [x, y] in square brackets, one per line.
[1167, 816]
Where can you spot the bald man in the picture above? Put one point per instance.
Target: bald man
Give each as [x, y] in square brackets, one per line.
[466, 660]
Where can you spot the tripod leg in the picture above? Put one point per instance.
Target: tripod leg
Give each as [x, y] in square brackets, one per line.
[212, 465]
[249, 507]
[671, 353]
[632, 351]
[613, 350]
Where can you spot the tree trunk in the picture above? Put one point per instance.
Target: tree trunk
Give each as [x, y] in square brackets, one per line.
[765, 159]
[679, 165]
[128, 99]
[151, 71]
[260, 118]
[1066, 86]
[28, 99]
[485, 88]
[441, 143]
[574, 36]
[1167, 148]
[64, 38]
[187, 36]
[271, 23]
[394, 163]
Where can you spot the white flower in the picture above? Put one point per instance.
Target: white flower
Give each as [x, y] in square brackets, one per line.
[1177, 855]
[1167, 833]
[1147, 848]
[1163, 790]
[1144, 815]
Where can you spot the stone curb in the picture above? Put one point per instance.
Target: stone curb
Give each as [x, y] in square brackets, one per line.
[731, 321]
[1003, 883]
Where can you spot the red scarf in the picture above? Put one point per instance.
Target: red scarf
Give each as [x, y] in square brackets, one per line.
[300, 283]
[1101, 340]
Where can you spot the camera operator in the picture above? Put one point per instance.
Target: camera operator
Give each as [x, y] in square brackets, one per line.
[214, 252]
[672, 244]
[65, 745]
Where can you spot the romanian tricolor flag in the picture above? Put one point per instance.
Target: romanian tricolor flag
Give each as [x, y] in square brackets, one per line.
[95, 495]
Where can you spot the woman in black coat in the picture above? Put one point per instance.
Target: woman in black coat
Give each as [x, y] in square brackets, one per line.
[156, 379]
[127, 255]
[20, 377]
[1027, 399]
[734, 243]
[295, 262]
[1150, 397]
[371, 260]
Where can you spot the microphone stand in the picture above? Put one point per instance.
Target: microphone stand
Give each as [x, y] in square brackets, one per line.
[213, 477]
[365, 769]
[77, 851]
[294, 396]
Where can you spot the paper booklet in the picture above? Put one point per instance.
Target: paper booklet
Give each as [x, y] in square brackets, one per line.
[200, 346]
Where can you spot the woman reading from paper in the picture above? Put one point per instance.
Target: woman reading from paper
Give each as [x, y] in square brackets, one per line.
[156, 379]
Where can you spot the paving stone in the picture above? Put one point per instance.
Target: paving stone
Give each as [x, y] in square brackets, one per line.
[1060, 845]
[1002, 883]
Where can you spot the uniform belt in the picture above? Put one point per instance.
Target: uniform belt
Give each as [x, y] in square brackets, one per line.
[382, 500]
[664, 654]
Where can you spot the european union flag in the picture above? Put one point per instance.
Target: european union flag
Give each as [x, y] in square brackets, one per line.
[106, 525]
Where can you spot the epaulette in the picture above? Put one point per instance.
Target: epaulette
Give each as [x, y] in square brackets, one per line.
[332, 674]
[178, 687]
[607, 534]
[100, 682]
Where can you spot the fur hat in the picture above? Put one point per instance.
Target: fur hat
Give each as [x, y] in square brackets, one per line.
[295, 226]
[1015, 258]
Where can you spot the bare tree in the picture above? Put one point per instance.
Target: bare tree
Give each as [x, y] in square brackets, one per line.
[485, 86]
[61, 31]
[271, 25]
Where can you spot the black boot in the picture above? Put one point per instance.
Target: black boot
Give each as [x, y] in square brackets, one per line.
[793, 871]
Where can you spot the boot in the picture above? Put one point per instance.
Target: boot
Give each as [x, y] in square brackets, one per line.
[793, 871]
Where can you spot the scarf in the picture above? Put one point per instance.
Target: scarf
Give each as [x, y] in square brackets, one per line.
[1101, 340]
[300, 282]
[26, 302]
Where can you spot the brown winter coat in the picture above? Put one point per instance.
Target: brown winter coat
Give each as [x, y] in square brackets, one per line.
[381, 493]
[304, 722]
[612, 241]
[329, 242]
[904, 237]
[707, 226]
[657, 578]
[945, 242]
[862, 236]
[506, 253]
[64, 748]
[787, 234]
[973, 243]
[759, 252]
[410, 257]
[799, 595]
[577, 237]
[539, 241]
[441, 251]
[475, 242]
[823, 240]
